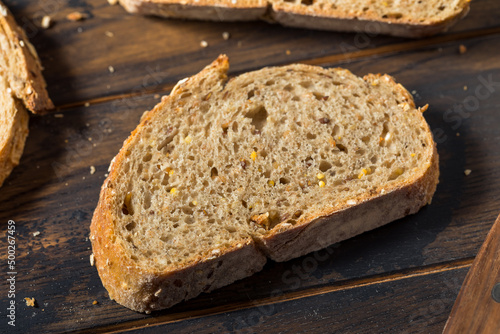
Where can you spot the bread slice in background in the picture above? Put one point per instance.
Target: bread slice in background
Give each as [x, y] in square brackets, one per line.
[405, 18]
[22, 87]
[275, 163]
[20, 65]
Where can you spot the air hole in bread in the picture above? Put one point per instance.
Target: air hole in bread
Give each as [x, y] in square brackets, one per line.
[259, 117]
[311, 136]
[214, 173]
[396, 173]
[306, 84]
[342, 148]
[251, 94]
[324, 166]
[288, 88]
[130, 226]
[127, 204]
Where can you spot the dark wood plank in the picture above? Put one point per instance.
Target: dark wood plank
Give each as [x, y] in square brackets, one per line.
[477, 308]
[149, 53]
[412, 305]
[53, 192]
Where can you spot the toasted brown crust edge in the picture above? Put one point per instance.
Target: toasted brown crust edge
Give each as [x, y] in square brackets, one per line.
[144, 290]
[371, 26]
[34, 95]
[11, 153]
[294, 18]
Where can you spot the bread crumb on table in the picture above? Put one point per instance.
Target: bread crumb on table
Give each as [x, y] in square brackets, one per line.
[58, 115]
[111, 69]
[109, 33]
[92, 259]
[92, 170]
[95, 302]
[46, 22]
[203, 44]
[462, 49]
[37, 233]
[225, 35]
[467, 172]
[76, 16]
[30, 301]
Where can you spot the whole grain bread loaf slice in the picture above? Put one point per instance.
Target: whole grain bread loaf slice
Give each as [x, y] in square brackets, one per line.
[276, 163]
[406, 18]
[21, 86]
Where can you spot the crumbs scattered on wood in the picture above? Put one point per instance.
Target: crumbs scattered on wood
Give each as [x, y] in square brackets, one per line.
[467, 172]
[225, 35]
[58, 115]
[30, 301]
[111, 69]
[95, 302]
[92, 170]
[37, 233]
[109, 33]
[203, 44]
[462, 49]
[92, 259]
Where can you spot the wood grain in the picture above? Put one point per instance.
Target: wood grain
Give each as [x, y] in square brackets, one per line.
[477, 308]
[53, 192]
[164, 51]
[413, 305]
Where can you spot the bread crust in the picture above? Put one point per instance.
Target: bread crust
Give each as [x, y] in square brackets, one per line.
[148, 289]
[317, 20]
[25, 75]
[224, 10]
[293, 15]
[13, 139]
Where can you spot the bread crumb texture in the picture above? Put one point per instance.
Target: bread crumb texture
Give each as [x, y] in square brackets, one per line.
[286, 127]
[218, 163]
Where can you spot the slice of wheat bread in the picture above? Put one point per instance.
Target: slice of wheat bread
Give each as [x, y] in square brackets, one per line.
[405, 18]
[20, 64]
[273, 163]
[22, 87]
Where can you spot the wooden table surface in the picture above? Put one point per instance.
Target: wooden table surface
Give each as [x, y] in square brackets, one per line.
[401, 278]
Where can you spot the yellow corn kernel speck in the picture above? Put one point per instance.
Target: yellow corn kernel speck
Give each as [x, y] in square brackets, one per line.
[320, 176]
[385, 4]
[173, 191]
[171, 172]
[253, 155]
[321, 184]
[195, 203]
[188, 139]
[271, 183]
[413, 154]
[364, 172]
[340, 137]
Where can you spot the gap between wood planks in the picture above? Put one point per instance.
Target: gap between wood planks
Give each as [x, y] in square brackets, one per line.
[326, 60]
[293, 295]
